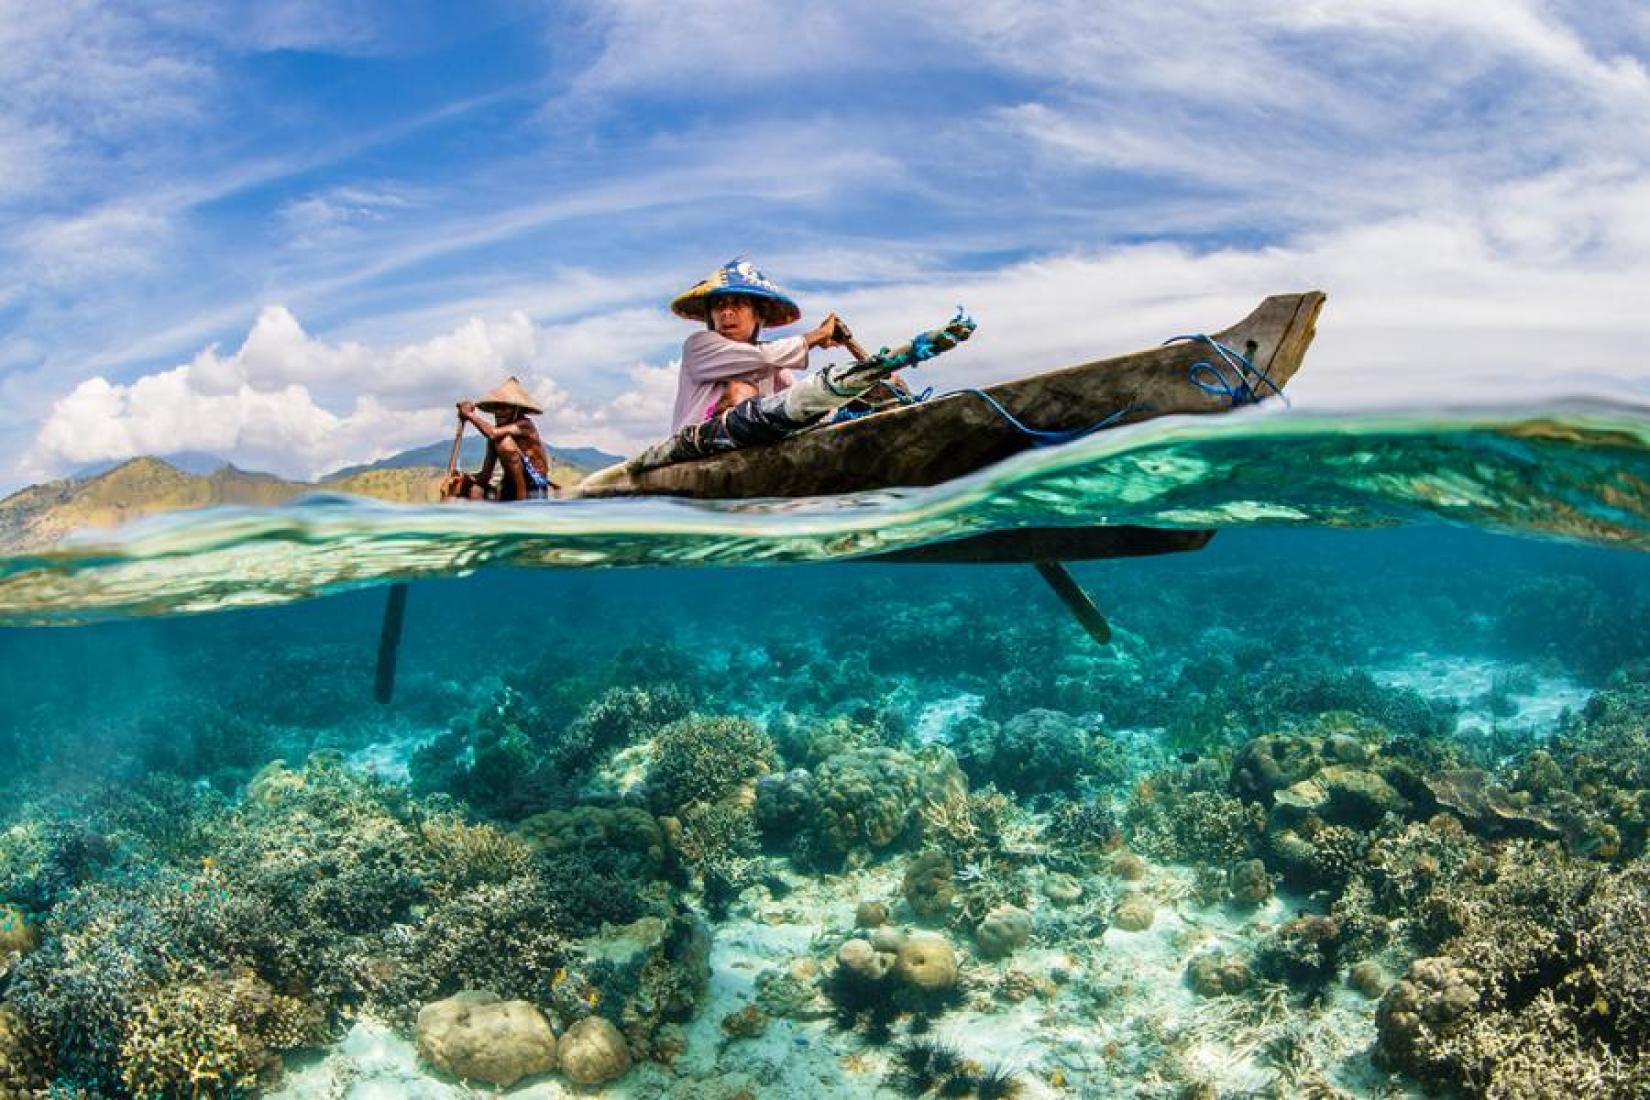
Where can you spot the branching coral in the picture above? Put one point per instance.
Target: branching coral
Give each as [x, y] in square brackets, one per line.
[214, 1038]
[503, 937]
[699, 759]
[1541, 980]
[719, 841]
[622, 715]
[463, 855]
[1202, 826]
[23, 1065]
[323, 882]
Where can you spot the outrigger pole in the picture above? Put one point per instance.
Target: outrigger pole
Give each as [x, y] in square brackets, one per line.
[395, 610]
[389, 642]
[1057, 576]
[1077, 601]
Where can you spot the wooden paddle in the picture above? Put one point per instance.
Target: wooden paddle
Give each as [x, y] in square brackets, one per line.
[845, 337]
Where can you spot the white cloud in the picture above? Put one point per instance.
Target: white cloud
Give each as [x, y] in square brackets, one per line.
[646, 44]
[337, 215]
[1535, 291]
[264, 406]
[1470, 179]
[640, 414]
[77, 76]
[83, 249]
[295, 405]
[1437, 308]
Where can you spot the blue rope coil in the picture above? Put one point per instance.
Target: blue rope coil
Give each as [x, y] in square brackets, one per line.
[1242, 388]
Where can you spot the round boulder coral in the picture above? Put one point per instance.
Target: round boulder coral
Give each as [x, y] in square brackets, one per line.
[1134, 913]
[475, 1035]
[1062, 889]
[864, 960]
[1247, 883]
[927, 885]
[869, 799]
[927, 962]
[1003, 931]
[1216, 974]
[1416, 1014]
[593, 1052]
[1037, 752]
[870, 914]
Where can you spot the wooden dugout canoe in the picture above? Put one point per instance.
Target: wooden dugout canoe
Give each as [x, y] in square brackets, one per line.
[954, 435]
[957, 434]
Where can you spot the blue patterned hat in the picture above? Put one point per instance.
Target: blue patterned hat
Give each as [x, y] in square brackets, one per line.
[738, 277]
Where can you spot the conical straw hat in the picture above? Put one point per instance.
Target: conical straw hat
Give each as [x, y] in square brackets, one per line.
[511, 395]
[738, 277]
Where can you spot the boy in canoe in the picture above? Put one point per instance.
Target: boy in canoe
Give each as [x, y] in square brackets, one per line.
[735, 391]
[726, 363]
[513, 444]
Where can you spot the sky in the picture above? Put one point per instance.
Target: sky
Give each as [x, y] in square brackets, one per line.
[293, 234]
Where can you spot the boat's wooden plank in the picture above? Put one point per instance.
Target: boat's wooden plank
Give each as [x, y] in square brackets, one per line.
[951, 436]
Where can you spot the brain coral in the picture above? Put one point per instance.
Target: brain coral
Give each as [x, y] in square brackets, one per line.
[869, 798]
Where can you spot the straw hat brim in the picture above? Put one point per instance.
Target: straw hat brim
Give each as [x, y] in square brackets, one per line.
[510, 395]
[775, 306]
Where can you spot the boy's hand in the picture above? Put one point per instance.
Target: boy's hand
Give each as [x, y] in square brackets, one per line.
[826, 335]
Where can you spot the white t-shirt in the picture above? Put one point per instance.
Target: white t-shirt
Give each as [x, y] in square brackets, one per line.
[710, 360]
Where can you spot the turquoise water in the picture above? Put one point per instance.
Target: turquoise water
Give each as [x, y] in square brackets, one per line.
[1578, 473]
[1355, 804]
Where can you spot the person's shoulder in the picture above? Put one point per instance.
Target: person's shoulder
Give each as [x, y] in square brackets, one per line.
[703, 338]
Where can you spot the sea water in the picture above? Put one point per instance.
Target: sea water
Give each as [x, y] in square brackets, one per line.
[1355, 802]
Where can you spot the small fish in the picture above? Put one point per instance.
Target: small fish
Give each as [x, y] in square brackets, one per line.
[1188, 757]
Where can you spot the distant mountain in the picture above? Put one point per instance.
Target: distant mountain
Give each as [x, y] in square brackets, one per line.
[39, 516]
[471, 451]
[198, 463]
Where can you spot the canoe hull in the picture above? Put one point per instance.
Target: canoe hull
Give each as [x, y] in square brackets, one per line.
[1038, 544]
[948, 437]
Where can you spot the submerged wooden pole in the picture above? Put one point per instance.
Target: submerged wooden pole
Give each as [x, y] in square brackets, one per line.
[1077, 601]
[389, 643]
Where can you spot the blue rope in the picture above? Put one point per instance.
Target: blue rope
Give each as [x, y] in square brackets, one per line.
[1203, 374]
[1041, 437]
[1209, 378]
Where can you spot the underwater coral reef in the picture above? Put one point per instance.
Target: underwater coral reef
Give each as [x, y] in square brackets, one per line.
[1292, 834]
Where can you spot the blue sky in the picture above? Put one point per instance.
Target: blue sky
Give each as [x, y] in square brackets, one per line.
[294, 233]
